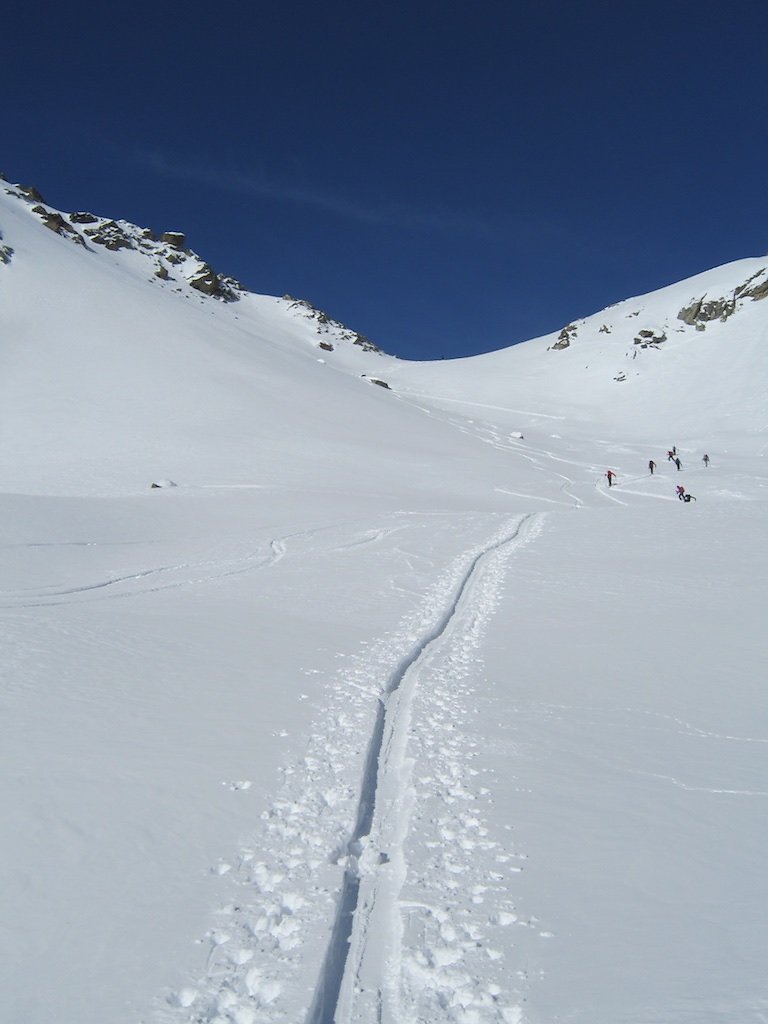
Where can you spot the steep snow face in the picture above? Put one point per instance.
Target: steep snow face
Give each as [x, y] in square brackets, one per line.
[107, 368]
[676, 362]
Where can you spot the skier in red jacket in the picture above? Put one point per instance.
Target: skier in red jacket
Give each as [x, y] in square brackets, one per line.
[610, 475]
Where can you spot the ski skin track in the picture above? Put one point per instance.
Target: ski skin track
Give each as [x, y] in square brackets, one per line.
[360, 980]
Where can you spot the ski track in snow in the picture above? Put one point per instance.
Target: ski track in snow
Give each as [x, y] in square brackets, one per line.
[125, 585]
[331, 855]
[131, 584]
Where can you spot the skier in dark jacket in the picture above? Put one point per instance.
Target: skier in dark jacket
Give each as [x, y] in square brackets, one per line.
[705, 460]
[678, 463]
[651, 466]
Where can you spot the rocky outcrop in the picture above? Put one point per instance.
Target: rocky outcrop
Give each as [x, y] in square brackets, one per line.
[30, 192]
[57, 223]
[361, 341]
[754, 288]
[169, 249]
[565, 337]
[217, 286]
[206, 280]
[702, 311]
[173, 238]
[652, 336]
[6, 252]
[111, 235]
[327, 325]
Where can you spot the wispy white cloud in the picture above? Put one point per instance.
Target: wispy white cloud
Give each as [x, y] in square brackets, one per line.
[262, 187]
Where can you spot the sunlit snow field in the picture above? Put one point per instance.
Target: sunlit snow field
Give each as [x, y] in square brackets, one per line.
[391, 710]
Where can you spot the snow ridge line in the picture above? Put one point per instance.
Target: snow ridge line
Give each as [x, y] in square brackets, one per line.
[357, 983]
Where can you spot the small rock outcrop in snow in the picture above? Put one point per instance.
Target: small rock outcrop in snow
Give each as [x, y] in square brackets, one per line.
[327, 325]
[650, 336]
[376, 380]
[5, 251]
[565, 336]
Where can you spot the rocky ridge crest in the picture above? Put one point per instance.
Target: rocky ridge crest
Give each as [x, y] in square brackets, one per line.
[168, 260]
[167, 255]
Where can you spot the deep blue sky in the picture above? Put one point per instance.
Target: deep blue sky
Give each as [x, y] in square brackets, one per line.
[445, 178]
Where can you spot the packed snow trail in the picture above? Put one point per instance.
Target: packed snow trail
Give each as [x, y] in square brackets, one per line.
[361, 977]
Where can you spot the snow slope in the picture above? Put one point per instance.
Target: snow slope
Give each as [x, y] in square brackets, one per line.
[384, 712]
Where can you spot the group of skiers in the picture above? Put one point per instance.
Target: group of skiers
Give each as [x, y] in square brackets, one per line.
[672, 456]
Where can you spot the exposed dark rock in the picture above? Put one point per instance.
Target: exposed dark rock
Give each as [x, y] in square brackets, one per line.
[376, 380]
[83, 218]
[6, 252]
[701, 312]
[365, 344]
[57, 223]
[742, 288]
[149, 234]
[162, 273]
[326, 324]
[174, 238]
[206, 280]
[605, 329]
[650, 336]
[326, 345]
[30, 192]
[689, 314]
[111, 236]
[53, 221]
[760, 291]
[565, 336]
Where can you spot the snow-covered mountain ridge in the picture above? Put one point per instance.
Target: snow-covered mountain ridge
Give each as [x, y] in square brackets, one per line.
[679, 360]
[165, 256]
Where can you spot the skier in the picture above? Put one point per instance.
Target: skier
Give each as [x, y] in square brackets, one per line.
[688, 497]
[610, 475]
[670, 455]
[678, 463]
[651, 466]
[705, 460]
[680, 492]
